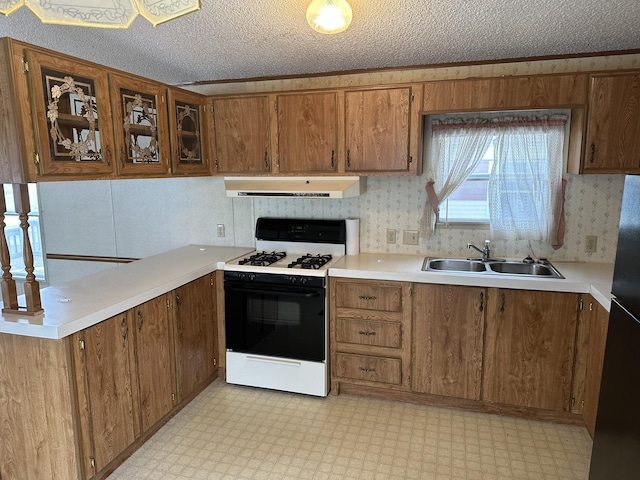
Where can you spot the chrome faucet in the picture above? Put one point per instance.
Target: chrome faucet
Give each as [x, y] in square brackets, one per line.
[485, 252]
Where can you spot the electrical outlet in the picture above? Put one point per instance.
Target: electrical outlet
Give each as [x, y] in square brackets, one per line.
[220, 230]
[410, 237]
[391, 235]
[591, 244]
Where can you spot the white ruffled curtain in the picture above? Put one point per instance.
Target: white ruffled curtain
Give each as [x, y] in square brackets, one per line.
[459, 145]
[526, 190]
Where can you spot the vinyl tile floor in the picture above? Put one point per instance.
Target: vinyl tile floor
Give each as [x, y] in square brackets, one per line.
[234, 432]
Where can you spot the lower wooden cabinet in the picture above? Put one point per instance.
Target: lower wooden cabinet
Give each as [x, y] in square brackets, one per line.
[370, 333]
[155, 361]
[448, 334]
[529, 349]
[492, 349]
[106, 385]
[592, 339]
[196, 350]
[75, 408]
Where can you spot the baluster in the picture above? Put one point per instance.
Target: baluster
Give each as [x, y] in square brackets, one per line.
[31, 286]
[9, 292]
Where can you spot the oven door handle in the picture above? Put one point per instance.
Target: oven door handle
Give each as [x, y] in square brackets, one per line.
[271, 291]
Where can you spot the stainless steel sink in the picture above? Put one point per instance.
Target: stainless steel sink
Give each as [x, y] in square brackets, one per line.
[454, 265]
[545, 270]
[521, 268]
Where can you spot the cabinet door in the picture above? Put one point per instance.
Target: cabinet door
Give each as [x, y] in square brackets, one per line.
[599, 320]
[529, 349]
[154, 354]
[73, 116]
[377, 130]
[307, 132]
[448, 331]
[242, 135]
[105, 378]
[613, 132]
[195, 334]
[141, 128]
[187, 124]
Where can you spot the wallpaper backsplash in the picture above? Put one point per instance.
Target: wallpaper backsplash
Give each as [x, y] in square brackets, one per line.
[592, 208]
[139, 218]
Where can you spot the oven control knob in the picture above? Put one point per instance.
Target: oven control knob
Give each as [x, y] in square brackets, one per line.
[252, 276]
[303, 280]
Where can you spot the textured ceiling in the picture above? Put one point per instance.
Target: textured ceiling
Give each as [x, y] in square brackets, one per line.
[233, 39]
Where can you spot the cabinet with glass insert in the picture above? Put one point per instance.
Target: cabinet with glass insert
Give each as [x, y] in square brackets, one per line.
[72, 116]
[140, 126]
[188, 127]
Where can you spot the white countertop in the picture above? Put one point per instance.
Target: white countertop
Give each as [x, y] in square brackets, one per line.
[592, 278]
[73, 306]
[79, 304]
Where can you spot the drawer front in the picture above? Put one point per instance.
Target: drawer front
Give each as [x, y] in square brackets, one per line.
[370, 369]
[369, 332]
[369, 296]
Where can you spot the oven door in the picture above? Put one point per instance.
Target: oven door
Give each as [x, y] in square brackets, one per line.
[275, 320]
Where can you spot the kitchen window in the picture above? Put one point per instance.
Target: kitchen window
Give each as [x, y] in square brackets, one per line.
[504, 170]
[13, 233]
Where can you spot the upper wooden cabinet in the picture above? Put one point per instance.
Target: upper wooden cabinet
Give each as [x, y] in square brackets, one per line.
[72, 116]
[241, 126]
[612, 143]
[382, 131]
[307, 132]
[140, 125]
[505, 93]
[188, 125]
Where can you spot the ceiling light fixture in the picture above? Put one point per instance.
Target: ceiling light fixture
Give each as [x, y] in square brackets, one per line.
[329, 16]
[102, 13]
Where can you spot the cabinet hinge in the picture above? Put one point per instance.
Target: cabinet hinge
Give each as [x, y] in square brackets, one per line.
[591, 306]
[409, 380]
[278, 161]
[211, 281]
[411, 98]
[580, 305]
[168, 303]
[275, 107]
[36, 158]
[573, 401]
[162, 96]
[81, 345]
[25, 65]
[215, 362]
[410, 291]
[173, 397]
[410, 159]
[92, 462]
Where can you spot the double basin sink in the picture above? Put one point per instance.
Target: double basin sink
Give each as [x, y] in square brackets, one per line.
[501, 267]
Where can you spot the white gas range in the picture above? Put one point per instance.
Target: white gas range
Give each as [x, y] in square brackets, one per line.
[276, 306]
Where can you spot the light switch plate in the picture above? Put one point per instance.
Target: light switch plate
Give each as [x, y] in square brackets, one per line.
[410, 237]
[391, 235]
[220, 230]
[591, 244]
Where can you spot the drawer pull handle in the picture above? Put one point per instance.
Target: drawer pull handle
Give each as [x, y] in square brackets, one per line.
[367, 297]
[367, 370]
[362, 332]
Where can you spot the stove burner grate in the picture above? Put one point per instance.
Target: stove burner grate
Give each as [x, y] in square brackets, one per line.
[309, 261]
[262, 259]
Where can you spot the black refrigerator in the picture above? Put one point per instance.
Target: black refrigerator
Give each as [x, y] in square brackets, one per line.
[616, 443]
